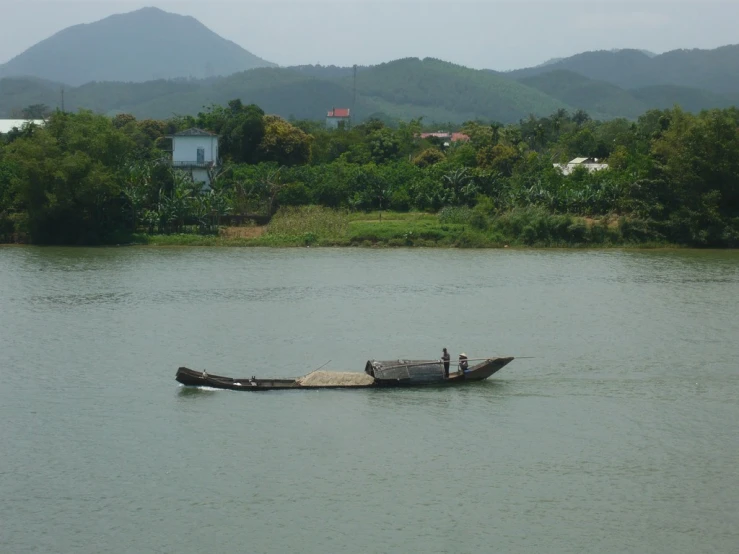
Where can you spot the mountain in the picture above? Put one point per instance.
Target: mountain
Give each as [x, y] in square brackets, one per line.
[606, 101]
[408, 88]
[714, 70]
[138, 46]
[689, 99]
[403, 89]
[439, 90]
[600, 99]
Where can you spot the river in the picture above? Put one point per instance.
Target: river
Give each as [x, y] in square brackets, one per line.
[619, 434]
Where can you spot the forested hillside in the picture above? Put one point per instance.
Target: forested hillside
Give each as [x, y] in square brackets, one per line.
[426, 87]
[401, 90]
[714, 70]
[606, 101]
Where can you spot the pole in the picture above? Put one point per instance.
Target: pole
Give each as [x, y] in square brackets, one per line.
[434, 362]
[324, 365]
[354, 100]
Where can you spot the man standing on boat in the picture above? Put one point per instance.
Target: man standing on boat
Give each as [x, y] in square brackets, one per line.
[445, 357]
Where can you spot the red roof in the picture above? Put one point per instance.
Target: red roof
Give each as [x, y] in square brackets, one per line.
[338, 112]
[460, 136]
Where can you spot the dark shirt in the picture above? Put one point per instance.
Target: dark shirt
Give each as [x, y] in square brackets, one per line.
[445, 358]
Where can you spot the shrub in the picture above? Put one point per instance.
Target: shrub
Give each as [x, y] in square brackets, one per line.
[313, 220]
[452, 214]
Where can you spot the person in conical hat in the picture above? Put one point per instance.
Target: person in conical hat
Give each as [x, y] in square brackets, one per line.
[463, 365]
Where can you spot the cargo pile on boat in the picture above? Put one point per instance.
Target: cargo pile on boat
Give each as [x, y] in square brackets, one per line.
[335, 378]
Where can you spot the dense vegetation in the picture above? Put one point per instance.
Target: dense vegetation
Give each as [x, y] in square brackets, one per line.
[138, 46]
[88, 179]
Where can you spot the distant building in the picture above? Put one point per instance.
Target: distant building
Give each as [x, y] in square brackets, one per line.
[336, 116]
[591, 164]
[195, 151]
[446, 137]
[7, 125]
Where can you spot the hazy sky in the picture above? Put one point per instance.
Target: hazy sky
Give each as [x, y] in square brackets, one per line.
[483, 34]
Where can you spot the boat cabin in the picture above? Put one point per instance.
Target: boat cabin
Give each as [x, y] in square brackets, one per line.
[408, 371]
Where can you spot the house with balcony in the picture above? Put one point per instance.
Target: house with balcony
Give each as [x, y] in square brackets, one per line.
[196, 152]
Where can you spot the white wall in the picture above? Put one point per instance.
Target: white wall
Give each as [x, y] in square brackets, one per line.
[333, 122]
[567, 169]
[185, 149]
[200, 176]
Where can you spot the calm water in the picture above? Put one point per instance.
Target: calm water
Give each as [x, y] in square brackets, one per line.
[621, 435]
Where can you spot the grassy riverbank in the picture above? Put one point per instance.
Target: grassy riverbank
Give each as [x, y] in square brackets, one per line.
[451, 228]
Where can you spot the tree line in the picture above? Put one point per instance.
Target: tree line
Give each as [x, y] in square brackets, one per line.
[84, 178]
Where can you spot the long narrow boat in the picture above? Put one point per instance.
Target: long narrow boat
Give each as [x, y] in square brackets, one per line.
[393, 373]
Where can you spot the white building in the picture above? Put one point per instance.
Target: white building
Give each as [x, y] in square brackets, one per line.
[7, 125]
[336, 116]
[195, 151]
[591, 164]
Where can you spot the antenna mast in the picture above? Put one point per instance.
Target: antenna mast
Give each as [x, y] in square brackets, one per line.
[354, 100]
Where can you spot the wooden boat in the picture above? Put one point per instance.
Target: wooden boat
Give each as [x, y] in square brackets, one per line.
[394, 373]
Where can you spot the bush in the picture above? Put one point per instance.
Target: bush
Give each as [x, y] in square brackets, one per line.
[309, 221]
[294, 194]
[452, 214]
[577, 232]
[471, 239]
[479, 221]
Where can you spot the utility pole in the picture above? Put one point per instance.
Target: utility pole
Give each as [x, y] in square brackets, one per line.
[354, 99]
[62, 93]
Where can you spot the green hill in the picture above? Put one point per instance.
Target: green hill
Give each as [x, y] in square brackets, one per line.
[600, 99]
[714, 70]
[605, 101]
[403, 89]
[138, 46]
[436, 88]
[689, 99]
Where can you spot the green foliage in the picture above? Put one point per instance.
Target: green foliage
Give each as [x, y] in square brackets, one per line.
[64, 178]
[673, 177]
[283, 143]
[309, 222]
[458, 215]
[241, 129]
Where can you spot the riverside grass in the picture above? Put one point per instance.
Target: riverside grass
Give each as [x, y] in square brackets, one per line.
[450, 228]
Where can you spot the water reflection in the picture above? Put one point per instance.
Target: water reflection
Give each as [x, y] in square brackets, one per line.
[392, 397]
